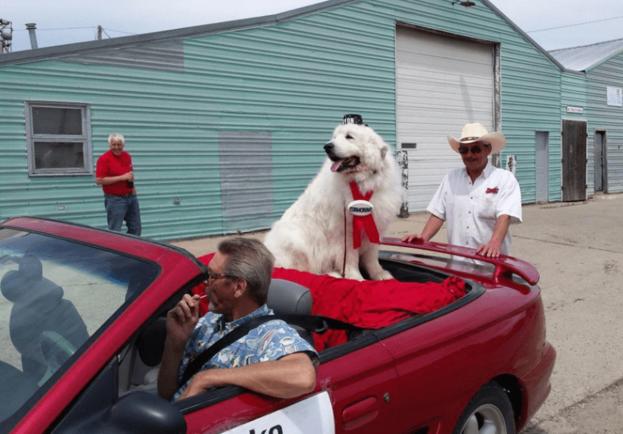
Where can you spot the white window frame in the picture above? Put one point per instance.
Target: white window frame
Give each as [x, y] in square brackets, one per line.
[84, 138]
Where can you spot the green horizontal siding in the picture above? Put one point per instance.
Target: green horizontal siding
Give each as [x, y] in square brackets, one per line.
[293, 80]
[161, 116]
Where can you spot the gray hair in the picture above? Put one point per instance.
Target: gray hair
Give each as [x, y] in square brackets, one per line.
[250, 260]
[116, 137]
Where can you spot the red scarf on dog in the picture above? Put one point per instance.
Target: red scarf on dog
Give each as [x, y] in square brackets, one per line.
[365, 223]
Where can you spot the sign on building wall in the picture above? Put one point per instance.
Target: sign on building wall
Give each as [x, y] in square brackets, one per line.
[574, 109]
[615, 96]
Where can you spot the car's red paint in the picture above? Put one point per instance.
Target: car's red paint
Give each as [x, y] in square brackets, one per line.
[404, 380]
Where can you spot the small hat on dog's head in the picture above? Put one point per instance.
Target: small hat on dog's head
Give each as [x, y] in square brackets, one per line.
[352, 118]
[476, 132]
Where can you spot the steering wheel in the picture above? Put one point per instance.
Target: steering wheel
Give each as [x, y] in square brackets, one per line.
[56, 350]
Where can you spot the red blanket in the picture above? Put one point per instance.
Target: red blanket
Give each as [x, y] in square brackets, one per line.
[370, 304]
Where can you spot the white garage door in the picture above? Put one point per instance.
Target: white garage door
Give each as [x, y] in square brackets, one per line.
[441, 84]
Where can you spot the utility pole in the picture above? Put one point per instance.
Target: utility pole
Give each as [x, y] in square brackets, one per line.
[99, 32]
[6, 36]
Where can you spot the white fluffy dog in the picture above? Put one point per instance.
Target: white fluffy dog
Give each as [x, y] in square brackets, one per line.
[316, 233]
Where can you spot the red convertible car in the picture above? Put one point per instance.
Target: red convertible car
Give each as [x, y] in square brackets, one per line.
[82, 329]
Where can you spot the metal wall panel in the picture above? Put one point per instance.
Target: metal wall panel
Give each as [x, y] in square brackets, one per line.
[607, 118]
[293, 79]
[441, 84]
[246, 180]
[542, 165]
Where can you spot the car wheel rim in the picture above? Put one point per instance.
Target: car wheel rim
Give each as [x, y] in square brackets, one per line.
[486, 419]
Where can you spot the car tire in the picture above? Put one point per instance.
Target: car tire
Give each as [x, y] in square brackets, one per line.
[489, 411]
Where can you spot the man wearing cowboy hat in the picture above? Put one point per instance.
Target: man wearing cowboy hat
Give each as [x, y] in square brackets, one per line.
[478, 202]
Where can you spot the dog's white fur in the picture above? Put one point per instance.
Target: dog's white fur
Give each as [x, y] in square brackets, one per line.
[310, 234]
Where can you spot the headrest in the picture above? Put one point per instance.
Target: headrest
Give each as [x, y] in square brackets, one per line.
[26, 285]
[30, 267]
[286, 297]
[14, 283]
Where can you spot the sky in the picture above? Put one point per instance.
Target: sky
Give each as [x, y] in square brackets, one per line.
[567, 22]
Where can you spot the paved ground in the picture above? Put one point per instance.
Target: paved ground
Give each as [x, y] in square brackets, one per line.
[578, 249]
[601, 413]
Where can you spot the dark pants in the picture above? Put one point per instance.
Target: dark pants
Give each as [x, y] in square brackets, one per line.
[120, 208]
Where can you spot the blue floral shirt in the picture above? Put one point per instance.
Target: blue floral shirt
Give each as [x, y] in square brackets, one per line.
[268, 341]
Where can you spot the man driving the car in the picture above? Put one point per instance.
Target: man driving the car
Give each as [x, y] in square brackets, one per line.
[271, 358]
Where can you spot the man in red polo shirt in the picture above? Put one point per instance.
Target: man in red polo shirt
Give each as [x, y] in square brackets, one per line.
[114, 174]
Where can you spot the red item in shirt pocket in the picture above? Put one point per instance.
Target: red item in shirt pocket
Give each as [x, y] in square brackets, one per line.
[493, 190]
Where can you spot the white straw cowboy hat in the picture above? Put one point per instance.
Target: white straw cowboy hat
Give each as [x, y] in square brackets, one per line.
[476, 132]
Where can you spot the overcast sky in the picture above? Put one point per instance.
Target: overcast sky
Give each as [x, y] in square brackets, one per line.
[66, 21]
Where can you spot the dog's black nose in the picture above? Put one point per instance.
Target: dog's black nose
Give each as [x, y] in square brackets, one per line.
[329, 147]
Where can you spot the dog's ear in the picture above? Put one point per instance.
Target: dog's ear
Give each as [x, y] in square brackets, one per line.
[383, 152]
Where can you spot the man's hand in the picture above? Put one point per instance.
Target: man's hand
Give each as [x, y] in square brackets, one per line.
[413, 238]
[490, 250]
[107, 180]
[201, 381]
[432, 226]
[182, 319]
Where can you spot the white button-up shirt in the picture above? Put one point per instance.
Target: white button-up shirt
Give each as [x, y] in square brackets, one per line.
[471, 209]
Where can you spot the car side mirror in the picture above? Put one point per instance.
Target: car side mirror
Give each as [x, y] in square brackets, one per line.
[142, 412]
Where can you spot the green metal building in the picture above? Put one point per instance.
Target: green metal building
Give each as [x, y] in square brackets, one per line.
[597, 100]
[226, 122]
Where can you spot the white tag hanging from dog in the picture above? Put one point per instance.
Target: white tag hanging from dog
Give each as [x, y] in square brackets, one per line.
[360, 208]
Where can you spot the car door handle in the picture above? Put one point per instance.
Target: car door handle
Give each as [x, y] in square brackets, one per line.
[360, 413]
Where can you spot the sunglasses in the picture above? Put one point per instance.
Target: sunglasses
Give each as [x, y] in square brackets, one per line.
[476, 149]
[213, 275]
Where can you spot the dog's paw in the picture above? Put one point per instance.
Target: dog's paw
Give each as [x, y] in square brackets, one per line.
[353, 274]
[382, 275]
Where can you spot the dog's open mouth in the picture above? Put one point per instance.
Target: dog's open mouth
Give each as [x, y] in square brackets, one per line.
[340, 165]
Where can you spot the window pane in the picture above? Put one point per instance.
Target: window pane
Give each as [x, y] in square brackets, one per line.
[55, 295]
[52, 120]
[58, 155]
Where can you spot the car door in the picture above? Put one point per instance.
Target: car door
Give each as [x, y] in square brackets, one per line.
[443, 359]
[431, 375]
[362, 383]
[354, 389]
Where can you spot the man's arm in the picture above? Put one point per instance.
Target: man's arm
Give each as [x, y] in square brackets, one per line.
[167, 375]
[291, 376]
[112, 179]
[492, 248]
[432, 226]
[437, 210]
[181, 321]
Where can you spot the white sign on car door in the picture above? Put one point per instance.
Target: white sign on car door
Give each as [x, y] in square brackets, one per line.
[311, 416]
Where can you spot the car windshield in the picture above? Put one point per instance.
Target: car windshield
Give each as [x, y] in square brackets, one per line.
[56, 294]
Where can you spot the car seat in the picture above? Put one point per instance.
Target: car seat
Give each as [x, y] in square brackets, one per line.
[287, 298]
